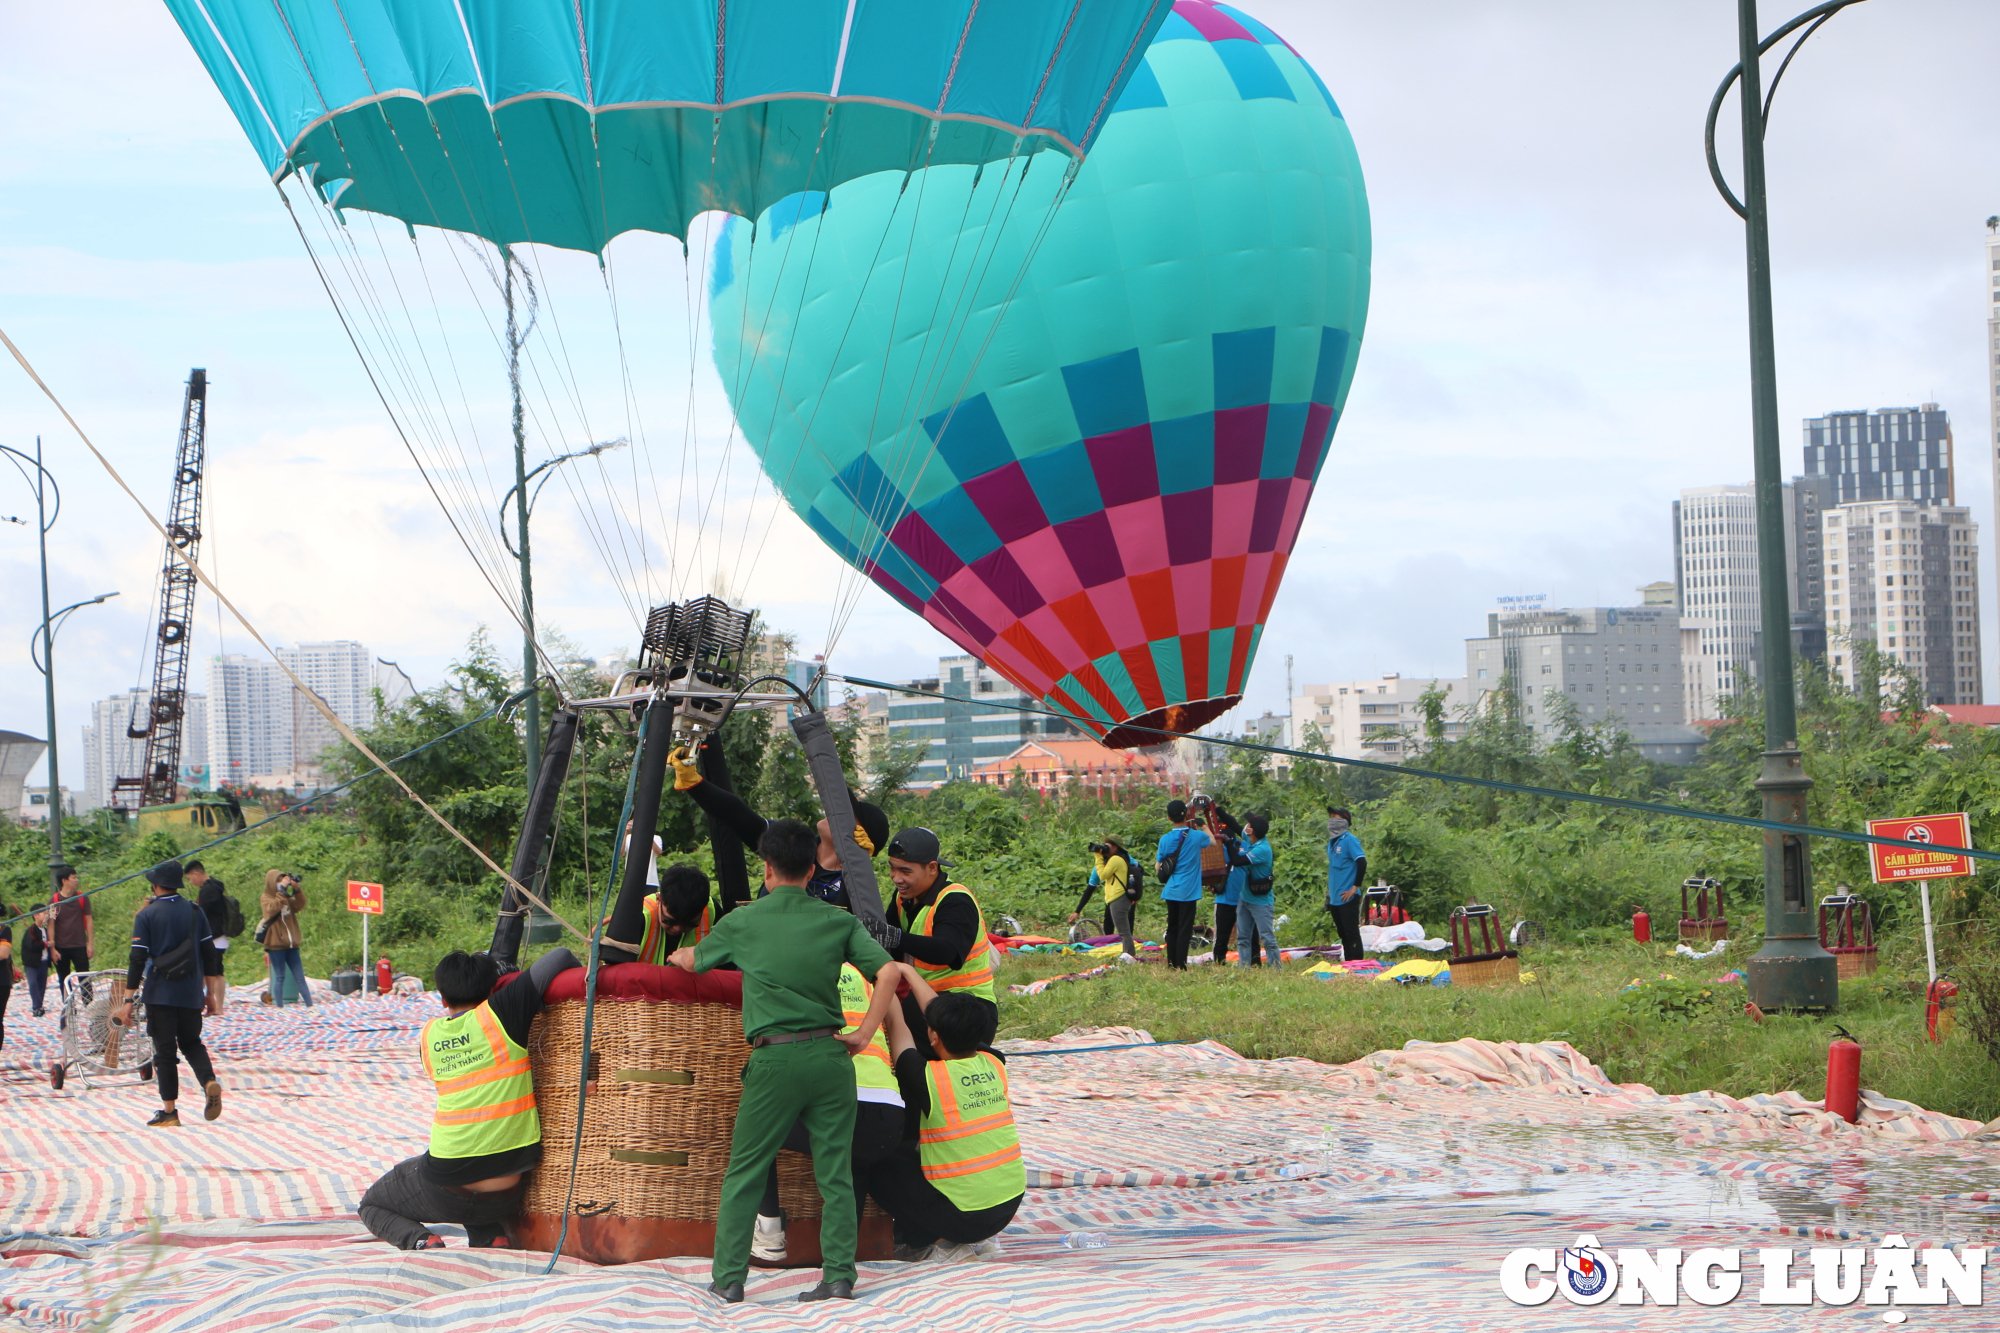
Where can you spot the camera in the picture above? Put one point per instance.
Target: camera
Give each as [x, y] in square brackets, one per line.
[1100, 849]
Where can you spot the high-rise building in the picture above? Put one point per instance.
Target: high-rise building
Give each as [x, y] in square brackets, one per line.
[342, 673]
[110, 751]
[1905, 576]
[1717, 580]
[966, 730]
[1891, 453]
[1617, 665]
[1991, 282]
[264, 730]
[249, 719]
[1380, 718]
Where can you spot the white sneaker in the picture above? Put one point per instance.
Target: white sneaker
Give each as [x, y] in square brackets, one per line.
[951, 1252]
[1126, 958]
[988, 1250]
[767, 1242]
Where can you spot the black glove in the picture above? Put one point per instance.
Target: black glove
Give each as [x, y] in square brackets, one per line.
[888, 936]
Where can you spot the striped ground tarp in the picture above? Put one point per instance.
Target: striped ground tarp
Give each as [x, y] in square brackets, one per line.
[1171, 1188]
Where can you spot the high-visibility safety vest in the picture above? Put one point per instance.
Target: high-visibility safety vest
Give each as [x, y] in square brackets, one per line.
[975, 975]
[872, 1066]
[486, 1094]
[966, 1141]
[653, 944]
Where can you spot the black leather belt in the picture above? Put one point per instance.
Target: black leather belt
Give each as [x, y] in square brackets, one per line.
[787, 1038]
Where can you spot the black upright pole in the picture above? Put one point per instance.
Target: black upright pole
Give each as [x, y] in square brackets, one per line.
[628, 921]
[531, 849]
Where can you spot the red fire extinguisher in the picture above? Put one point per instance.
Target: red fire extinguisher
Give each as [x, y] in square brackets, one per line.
[385, 977]
[1642, 926]
[1843, 1076]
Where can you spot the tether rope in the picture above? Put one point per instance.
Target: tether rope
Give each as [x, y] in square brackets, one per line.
[333, 719]
[1463, 779]
[303, 806]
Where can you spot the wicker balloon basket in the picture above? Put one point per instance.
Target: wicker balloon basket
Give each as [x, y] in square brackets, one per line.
[667, 1057]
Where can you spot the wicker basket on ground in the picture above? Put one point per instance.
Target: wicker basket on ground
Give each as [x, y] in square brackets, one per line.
[668, 1055]
[1479, 952]
[1847, 931]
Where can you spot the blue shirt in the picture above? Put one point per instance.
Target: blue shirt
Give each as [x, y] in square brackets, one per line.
[1184, 886]
[1259, 855]
[162, 924]
[1341, 855]
[1232, 888]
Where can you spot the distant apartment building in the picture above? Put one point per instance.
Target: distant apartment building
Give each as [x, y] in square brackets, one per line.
[1990, 281]
[1617, 665]
[111, 752]
[1905, 576]
[264, 731]
[1856, 457]
[975, 725]
[1716, 577]
[1889, 453]
[1379, 718]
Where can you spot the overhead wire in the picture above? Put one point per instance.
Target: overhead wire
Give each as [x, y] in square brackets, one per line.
[312, 696]
[1664, 808]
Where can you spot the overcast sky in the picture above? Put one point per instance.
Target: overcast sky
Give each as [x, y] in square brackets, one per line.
[1555, 347]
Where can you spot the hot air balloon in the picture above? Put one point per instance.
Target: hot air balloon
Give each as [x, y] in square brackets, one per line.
[1109, 461]
[505, 201]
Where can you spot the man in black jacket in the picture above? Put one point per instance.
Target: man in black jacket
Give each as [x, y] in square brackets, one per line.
[175, 960]
[208, 896]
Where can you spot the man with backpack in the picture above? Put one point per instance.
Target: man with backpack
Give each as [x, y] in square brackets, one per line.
[1178, 862]
[174, 958]
[224, 913]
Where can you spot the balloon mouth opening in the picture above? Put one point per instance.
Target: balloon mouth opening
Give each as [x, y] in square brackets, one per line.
[1178, 719]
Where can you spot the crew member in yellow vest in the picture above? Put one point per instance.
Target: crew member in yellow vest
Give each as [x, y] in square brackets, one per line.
[485, 1134]
[878, 1118]
[965, 1182]
[938, 929]
[680, 912]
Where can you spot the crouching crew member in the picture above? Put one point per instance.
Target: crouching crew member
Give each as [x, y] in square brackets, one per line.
[938, 928]
[486, 1133]
[967, 1180]
[789, 947]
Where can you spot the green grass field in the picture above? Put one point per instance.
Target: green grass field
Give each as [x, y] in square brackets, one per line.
[1680, 1036]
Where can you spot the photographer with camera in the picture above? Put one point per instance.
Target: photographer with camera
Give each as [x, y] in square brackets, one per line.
[280, 904]
[1111, 872]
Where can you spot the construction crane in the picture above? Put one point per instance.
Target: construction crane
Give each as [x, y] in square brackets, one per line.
[158, 781]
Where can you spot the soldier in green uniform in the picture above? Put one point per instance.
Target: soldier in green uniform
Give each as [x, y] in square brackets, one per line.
[789, 947]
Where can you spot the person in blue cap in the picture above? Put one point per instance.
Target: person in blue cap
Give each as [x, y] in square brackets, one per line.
[175, 968]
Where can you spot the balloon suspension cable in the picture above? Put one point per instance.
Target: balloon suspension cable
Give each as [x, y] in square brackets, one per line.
[1461, 779]
[305, 805]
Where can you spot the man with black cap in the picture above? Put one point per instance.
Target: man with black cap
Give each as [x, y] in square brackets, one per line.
[174, 958]
[936, 926]
[871, 826]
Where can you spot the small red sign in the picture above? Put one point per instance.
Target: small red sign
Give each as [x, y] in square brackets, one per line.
[1897, 863]
[364, 897]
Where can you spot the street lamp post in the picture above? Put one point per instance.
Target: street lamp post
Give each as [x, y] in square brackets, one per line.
[1791, 971]
[522, 501]
[45, 487]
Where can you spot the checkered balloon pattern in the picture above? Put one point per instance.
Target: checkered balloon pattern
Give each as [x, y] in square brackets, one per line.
[1097, 494]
